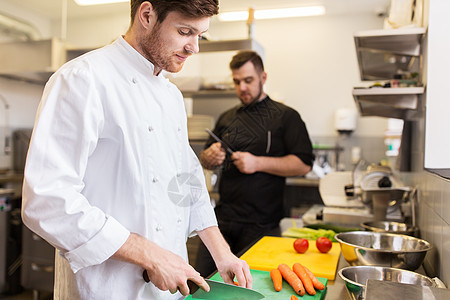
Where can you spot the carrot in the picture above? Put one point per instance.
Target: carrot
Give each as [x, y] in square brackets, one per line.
[292, 279]
[293, 297]
[276, 279]
[317, 284]
[307, 283]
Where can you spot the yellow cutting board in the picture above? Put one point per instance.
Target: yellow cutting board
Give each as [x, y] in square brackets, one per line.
[271, 251]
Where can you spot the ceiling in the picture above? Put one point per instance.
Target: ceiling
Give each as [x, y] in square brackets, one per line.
[53, 8]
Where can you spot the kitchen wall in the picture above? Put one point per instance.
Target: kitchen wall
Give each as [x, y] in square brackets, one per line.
[311, 64]
[434, 191]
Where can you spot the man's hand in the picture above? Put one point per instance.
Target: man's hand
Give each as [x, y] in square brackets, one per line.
[169, 271]
[213, 156]
[228, 265]
[166, 270]
[246, 162]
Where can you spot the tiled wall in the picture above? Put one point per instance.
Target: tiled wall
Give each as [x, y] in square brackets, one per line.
[433, 208]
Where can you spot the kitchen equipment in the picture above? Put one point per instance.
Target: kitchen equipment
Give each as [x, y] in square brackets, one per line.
[391, 227]
[370, 192]
[263, 284]
[387, 290]
[224, 145]
[224, 291]
[382, 249]
[355, 278]
[271, 251]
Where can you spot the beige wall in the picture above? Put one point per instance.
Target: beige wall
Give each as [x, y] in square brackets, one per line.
[311, 62]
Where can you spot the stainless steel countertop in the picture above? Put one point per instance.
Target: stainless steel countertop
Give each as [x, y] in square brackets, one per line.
[336, 288]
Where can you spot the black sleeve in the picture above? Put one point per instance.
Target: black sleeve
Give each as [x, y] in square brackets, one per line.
[296, 137]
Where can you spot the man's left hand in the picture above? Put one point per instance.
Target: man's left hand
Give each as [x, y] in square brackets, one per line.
[246, 162]
[233, 268]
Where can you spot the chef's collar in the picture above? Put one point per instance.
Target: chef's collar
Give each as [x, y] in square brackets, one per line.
[254, 104]
[139, 61]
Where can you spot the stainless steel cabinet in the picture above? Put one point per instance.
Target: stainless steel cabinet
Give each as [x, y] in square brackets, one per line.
[38, 262]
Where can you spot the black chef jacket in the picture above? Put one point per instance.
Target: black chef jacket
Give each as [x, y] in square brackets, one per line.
[266, 128]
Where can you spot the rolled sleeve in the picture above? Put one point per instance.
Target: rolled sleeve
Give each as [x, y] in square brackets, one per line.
[96, 250]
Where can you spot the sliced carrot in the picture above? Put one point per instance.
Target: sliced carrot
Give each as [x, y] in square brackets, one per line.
[276, 279]
[307, 283]
[292, 279]
[293, 297]
[317, 284]
[236, 283]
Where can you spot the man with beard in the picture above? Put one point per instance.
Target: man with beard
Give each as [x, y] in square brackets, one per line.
[270, 142]
[111, 181]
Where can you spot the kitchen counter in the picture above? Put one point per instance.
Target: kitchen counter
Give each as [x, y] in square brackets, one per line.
[10, 177]
[302, 181]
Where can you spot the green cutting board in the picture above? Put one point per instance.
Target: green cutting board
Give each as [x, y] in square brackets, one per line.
[263, 284]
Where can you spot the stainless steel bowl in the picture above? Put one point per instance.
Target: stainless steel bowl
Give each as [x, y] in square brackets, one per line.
[355, 278]
[366, 248]
[390, 227]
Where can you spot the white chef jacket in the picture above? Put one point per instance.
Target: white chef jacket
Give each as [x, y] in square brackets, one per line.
[109, 155]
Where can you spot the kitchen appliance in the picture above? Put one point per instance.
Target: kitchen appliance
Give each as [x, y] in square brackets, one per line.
[355, 278]
[391, 227]
[368, 193]
[10, 242]
[377, 290]
[382, 249]
[271, 251]
[263, 284]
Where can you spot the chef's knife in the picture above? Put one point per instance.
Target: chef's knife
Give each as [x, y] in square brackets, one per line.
[224, 291]
[218, 291]
[225, 146]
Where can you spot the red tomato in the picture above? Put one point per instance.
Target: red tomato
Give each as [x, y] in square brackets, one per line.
[323, 244]
[301, 245]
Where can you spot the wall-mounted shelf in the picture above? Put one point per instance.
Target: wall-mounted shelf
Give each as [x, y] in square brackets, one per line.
[231, 45]
[385, 55]
[400, 103]
[210, 94]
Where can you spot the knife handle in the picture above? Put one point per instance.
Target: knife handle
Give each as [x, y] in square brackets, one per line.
[193, 287]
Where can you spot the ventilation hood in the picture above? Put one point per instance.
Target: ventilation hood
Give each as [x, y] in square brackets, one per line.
[32, 61]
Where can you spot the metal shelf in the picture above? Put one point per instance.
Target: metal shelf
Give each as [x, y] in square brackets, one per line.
[231, 45]
[385, 53]
[400, 103]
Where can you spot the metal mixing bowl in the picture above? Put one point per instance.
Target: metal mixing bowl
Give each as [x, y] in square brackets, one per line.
[368, 248]
[390, 227]
[355, 278]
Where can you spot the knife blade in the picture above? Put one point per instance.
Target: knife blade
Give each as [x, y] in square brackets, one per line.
[225, 146]
[218, 290]
[224, 291]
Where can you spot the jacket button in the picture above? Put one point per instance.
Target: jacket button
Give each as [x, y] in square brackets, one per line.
[150, 128]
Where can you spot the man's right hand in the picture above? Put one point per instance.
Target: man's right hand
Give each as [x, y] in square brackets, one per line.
[169, 271]
[213, 156]
[165, 269]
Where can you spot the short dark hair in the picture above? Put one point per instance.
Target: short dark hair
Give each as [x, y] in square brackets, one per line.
[243, 57]
[190, 8]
